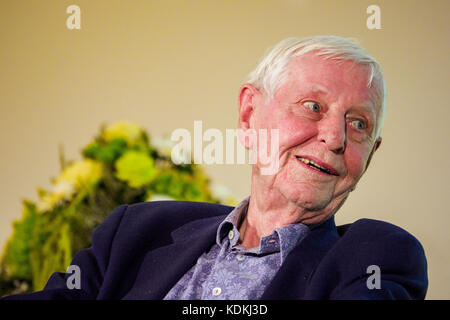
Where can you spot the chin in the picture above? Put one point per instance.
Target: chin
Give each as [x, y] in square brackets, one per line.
[308, 197]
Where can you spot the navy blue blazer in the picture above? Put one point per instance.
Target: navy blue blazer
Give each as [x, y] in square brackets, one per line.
[140, 251]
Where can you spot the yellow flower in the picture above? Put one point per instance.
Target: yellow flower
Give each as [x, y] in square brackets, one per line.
[61, 191]
[48, 202]
[126, 130]
[83, 174]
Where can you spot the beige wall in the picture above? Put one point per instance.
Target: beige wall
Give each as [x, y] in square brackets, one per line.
[164, 64]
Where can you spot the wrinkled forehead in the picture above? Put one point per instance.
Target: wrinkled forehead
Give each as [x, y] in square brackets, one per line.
[337, 78]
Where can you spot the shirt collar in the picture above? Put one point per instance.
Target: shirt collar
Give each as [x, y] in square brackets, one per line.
[282, 239]
[232, 222]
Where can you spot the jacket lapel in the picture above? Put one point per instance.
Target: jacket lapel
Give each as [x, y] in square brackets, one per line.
[163, 267]
[291, 280]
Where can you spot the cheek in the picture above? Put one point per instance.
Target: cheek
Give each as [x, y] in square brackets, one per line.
[355, 160]
[295, 130]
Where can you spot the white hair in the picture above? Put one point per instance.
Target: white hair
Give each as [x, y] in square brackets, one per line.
[272, 71]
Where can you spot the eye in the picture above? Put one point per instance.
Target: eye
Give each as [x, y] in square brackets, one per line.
[359, 124]
[313, 106]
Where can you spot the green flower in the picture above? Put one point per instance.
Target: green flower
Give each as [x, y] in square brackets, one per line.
[136, 168]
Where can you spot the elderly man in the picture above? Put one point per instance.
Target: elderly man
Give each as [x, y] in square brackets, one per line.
[325, 96]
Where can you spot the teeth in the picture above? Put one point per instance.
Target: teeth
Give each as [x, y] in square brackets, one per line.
[310, 162]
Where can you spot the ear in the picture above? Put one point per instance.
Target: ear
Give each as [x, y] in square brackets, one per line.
[375, 148]
[248, 99]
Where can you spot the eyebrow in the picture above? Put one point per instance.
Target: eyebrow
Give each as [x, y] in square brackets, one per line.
[318, 89]
[365, 107]
[314, 89]
[322, 90]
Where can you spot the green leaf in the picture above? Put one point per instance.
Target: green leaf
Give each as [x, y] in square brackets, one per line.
[106, 152]
[17, 251]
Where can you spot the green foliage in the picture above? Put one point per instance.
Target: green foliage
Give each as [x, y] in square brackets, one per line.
[105, 152]
[118, 166]
[17, 255]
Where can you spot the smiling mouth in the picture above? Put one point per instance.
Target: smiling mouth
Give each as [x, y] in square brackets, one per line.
[316, 166]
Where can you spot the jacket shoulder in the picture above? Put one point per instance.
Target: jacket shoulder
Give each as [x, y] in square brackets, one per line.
[156, 220]
[376, 232]
[398, 255]
[380, 241]
[167, 215]
[178, 210]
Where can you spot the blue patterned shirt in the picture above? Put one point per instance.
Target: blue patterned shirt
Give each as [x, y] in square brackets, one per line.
[229, 271]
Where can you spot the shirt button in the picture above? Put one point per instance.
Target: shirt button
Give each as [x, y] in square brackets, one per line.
[231, 235]
[216, 291]
[240, 257]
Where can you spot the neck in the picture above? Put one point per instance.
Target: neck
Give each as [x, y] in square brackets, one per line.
[268, 209]
[262, 218]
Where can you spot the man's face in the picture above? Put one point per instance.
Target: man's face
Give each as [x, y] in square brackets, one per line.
[325, 113]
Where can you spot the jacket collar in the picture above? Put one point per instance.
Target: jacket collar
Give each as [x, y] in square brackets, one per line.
[291, 280]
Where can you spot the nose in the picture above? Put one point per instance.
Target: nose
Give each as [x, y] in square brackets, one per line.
[332, 132]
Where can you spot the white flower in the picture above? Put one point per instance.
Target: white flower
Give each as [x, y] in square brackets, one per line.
[165, 147]
[163, 144]
[220, 191]
[223, 194]
[159, 197]
[65, 188]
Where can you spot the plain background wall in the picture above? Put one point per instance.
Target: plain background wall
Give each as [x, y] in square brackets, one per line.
[164, 64]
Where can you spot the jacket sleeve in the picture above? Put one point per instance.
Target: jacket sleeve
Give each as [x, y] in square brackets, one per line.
[388, 266]
[92, 264]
